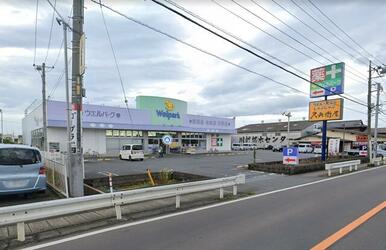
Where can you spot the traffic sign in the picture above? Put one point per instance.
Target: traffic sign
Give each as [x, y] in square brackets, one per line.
[167, 139]
[290, 156]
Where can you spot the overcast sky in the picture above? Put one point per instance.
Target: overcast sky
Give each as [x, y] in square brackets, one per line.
[153, 64]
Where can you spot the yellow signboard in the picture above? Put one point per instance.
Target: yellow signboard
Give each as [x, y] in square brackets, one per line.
[326, 110]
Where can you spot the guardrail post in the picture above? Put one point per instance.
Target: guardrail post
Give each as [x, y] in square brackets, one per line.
[350, 168]
[20, 231]
[356, 167]
[329, 172]
[340, 170]
[235, 190]
[178, 201]
[221, 193]
[118, 212]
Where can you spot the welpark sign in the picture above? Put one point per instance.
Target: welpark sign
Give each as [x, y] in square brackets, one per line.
[327, 80]
[164, 111]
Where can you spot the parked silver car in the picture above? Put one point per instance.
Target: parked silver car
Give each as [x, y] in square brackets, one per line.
[21, 170]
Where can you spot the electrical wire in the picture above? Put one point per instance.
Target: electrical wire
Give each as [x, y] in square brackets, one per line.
[115, 61]
[308, 26]
[36, 30]
[334, 35]
[342, 30]
[306, 38]
[253, 53]
[50, 35]
[201, 50]
[235, 37]
[267, 33]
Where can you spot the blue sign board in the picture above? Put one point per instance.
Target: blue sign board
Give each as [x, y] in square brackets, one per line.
[291, 151]
[290, 156]
[167, 139]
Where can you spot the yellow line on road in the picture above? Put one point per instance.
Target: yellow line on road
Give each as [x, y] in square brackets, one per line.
[349, 228]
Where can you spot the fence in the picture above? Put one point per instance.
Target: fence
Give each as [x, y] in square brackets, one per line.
[42, 210]
[56, 172]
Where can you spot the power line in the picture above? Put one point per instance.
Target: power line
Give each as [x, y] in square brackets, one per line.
[310, 27]
[342, 30]
[281, 41]
[304, 37]
[267, 33]
[52, 92]
[249, 51]
[50, 36]
[115, 61]
[36, 30]
[209, 53]
[235, 37]
[324, 27]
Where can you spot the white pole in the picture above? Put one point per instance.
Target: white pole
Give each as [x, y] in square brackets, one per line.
[2, 129]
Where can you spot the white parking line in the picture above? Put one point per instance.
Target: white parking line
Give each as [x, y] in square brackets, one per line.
[105, 173]
[194, 210]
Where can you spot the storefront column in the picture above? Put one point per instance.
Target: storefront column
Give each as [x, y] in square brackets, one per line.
[145, 136]
[179, 140]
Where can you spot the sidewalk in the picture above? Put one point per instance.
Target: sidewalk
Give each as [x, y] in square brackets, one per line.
[77, 223]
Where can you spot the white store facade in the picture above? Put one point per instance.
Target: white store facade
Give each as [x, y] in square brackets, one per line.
[106, 128]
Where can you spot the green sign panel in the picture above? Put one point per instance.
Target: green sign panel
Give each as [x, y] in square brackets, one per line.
[164, 111]
[327, 80]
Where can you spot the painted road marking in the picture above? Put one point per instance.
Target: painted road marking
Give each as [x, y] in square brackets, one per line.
[80, 236]
[332, 239]
[105, 173]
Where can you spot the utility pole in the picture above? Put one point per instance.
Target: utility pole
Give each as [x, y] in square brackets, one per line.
[68, 104]
[369, 115]
[2, 128]
[288, 114]
[379, 88]
[42, 68]
[76, 173]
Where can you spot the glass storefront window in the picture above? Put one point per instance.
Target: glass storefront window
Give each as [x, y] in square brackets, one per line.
[122, 133]
[115, 132]
[152, 134]
[129, 133]
[109, 132]
[139, 133]
[135, 133]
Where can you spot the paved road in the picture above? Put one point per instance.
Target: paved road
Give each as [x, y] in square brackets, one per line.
[208, 165]
[296, 218]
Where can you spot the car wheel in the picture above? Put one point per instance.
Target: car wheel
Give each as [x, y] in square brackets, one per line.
[141, 159]
[130, 158]
[120, 157]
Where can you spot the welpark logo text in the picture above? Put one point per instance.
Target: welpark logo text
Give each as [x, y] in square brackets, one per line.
[167, 114]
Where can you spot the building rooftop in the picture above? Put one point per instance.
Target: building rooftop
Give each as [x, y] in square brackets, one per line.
[300, 125]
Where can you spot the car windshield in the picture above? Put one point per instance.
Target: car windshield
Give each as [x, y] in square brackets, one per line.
[19, 156]
[137, 147]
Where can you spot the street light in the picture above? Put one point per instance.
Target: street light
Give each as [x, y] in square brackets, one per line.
[2, 128]
[288, 114]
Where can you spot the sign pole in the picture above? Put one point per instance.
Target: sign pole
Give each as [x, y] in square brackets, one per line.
[324, 138]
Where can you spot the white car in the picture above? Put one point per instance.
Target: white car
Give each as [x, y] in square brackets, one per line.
[131, 152]
[317, 149]
[305, 148]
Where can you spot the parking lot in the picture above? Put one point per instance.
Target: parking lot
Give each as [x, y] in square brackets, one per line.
[215, 165]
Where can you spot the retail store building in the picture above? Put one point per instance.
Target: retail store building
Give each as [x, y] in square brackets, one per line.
[106, 128]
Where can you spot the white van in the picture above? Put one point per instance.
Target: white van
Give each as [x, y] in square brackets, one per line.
[305, 148]
[131, 152]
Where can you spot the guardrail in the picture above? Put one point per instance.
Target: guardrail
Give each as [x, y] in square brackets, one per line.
[42, 210]
[342, 165]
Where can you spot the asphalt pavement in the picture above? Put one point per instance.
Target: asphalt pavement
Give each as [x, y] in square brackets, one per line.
[294, 218]
[218, 165]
